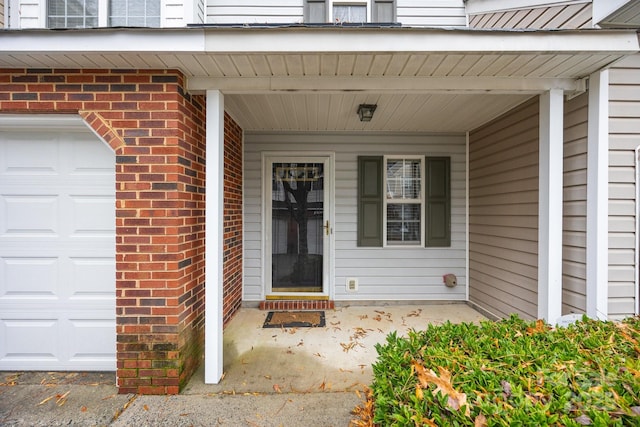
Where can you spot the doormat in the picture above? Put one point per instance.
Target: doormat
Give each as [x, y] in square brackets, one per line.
[294, 319]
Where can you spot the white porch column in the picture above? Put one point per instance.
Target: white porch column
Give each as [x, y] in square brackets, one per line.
[598, 196]
[550, 207]
[214, 206]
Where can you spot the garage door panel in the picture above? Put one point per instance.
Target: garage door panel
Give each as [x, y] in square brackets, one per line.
[28, 338]
[29, 277]
[93, 277]
[57, 250]
[93, 215]
[92, 339]
[26, 153]
[30, 214]
[89, 158]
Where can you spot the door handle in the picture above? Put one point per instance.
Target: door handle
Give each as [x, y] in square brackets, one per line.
[327, 229]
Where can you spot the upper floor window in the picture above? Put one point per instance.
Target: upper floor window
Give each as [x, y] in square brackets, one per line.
[350, 11]
[72, 13]
[134, 13]
[88, 13]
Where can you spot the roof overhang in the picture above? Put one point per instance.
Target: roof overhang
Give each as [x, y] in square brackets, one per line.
[276, 70]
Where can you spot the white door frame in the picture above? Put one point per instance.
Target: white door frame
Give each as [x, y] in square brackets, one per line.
[328, 273]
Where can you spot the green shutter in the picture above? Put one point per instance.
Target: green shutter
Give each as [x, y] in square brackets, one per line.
[438, 203]
[370, 200]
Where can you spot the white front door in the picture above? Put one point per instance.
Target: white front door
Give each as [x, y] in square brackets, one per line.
[57, 248]
[298, 225]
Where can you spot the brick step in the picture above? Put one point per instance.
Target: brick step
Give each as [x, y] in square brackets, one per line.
[297, 305]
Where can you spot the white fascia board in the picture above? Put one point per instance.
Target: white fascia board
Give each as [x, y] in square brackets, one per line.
[102, 41]
[316, 40]
[404, 40]
[474, 7]
[496, 85]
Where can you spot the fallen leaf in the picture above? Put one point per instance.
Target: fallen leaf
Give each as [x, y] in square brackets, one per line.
[455, 399]
[276, 387]
[145, 407]
[583, 420]
[539, 328]
[480, 421]
[506, 389]
[83, 409]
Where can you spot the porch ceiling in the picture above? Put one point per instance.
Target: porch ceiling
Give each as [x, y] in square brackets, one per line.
[312, 79]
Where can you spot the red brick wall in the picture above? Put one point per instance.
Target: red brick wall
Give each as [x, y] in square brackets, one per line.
[157, 132]
[232, 290]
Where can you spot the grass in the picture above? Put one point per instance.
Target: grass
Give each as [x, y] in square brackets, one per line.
[507, 373]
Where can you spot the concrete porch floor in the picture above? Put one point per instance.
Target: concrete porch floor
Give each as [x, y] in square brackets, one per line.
[336, 358]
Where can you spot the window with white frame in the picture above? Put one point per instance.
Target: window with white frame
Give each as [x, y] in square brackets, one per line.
[100, 13]
[72, 13]
[349, 12]
[403, 205]
[134, 13]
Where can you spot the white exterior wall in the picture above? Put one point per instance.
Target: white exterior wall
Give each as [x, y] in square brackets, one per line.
[383, 273]
[254, 11]
[624, 140]
[419, 13]
[431, 13]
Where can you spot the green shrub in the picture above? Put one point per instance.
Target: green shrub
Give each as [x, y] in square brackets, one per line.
[509, 373]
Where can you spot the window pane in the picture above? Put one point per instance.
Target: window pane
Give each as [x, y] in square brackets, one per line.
[72, 13]
[134, 13]
[349, 13]
[403, 223]
[403, 179]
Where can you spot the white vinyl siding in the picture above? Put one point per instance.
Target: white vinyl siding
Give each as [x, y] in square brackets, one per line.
[624, 140]
[574, 236]
[572, 16]
[431, 13]
[503, 213]
[415, 13]
[402, 274]
[254, 11]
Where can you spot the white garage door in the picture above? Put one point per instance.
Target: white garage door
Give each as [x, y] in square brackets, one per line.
[57, 246]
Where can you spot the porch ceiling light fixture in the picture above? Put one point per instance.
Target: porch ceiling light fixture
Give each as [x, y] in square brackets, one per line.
[365, 112]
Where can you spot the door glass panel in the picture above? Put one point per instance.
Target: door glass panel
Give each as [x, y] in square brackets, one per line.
[297, 223]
